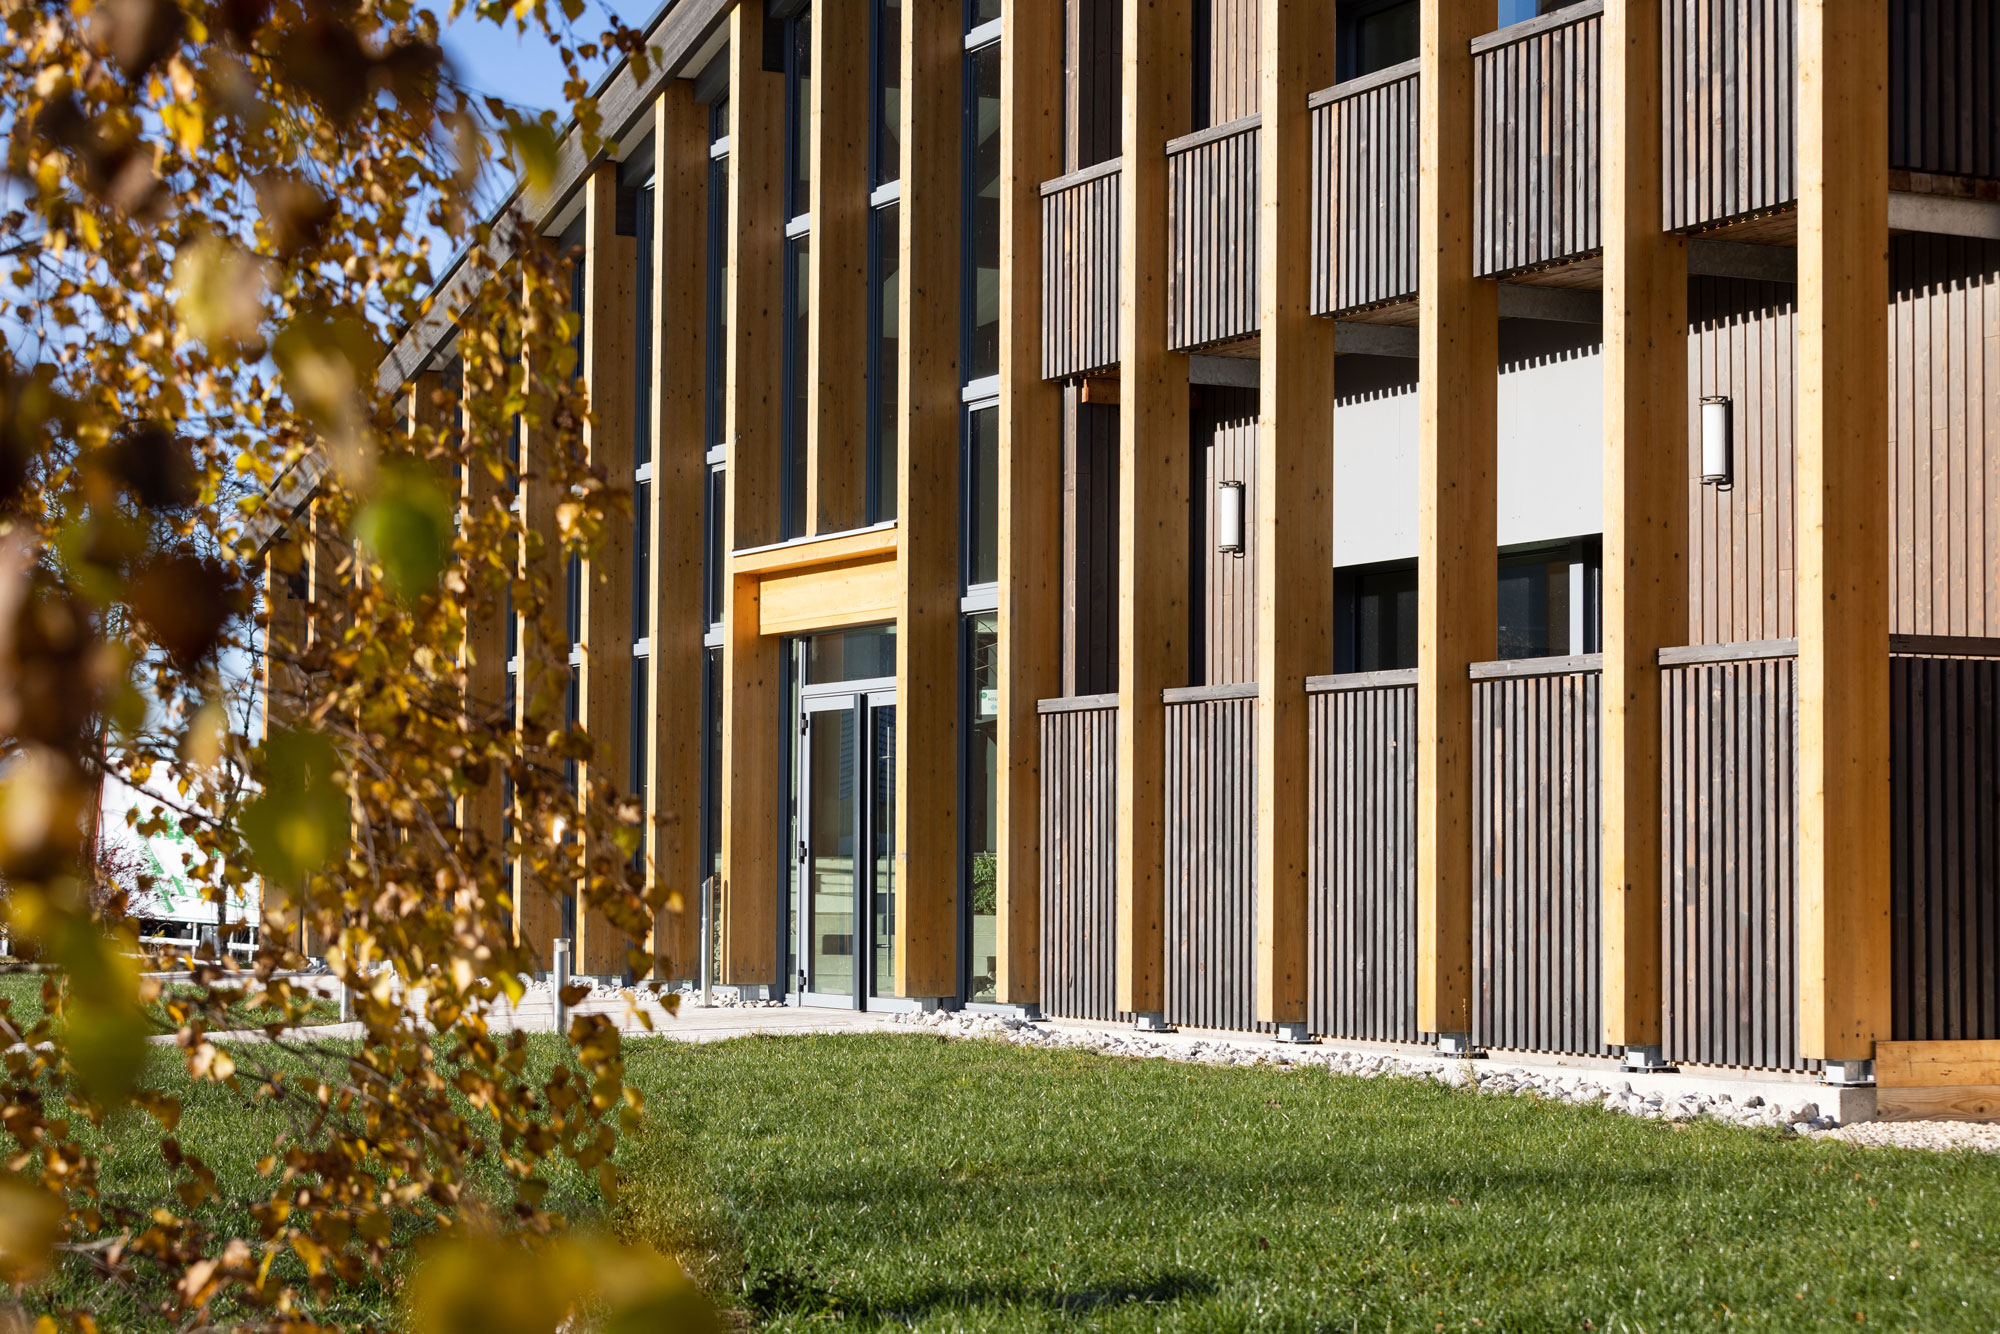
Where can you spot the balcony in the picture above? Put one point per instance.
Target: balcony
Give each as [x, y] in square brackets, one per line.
[1080, 272]
[1212, 229]
[1365, 192]
[1537, 87]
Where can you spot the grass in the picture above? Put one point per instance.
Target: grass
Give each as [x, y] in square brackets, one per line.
[871, 1181]
[24, 990]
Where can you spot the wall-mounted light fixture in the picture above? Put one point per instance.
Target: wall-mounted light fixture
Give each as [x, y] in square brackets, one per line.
[1229, 517]
[1717, 449]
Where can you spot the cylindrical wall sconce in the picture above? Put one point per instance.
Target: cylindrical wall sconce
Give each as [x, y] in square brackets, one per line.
[1229, 517]
[1717, 449]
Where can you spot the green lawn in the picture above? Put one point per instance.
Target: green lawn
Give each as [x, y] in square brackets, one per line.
[907, 1181]
[887, 1181]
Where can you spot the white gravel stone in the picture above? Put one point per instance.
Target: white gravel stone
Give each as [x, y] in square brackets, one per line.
[1801, 1117]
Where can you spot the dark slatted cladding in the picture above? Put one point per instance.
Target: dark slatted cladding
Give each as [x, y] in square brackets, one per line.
[1212, 229]
[1090, 546]
[1223, 607]
[1730, 103]
[1362, 969]
[1537, 939]
[1079, 857]
[1365, 191]
[1080, 272]
[1093, 72]
[1741, 341]
[1729, 849]
[1944, 554]
[1537, 88]
[1943, 113]
[1211, 865]
[1945, 843]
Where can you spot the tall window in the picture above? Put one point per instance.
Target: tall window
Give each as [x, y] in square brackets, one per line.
[884, 258]
[1375, 34]
[716, 341]
[798, 228]
[982, 796]
[982, 496]
[1549, 597]
[982, 212]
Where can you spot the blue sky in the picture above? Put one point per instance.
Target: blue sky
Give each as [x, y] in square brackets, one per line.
[493, 59]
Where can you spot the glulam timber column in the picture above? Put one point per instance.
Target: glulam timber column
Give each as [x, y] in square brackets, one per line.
[837, 309]
[1645, 514]
[1457, 552]
[604, 705]
[483, 657]
[1030, 503]
[542, 663]
[680, 480]
[1153, 633]
[1293, 509]
[752, 667]
[1843, 503]
[927, 490]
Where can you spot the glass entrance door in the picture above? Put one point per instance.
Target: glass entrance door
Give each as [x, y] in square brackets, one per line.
[845, 870]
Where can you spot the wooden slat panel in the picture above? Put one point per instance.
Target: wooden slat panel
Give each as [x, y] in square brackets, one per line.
[1362, 971]
[1080, 273]
[1092, 33]
[1538, 151]
[1211, 865]
[1942, 58]
[1945, 849]
[1212, 228]
[1226, 85]
[1729, 110]
[1537, 902]
[1365, 192]
[1730, 947]
[1079, 863]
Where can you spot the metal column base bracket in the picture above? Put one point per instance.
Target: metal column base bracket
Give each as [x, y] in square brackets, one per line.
[1456, 1044]
[1151, 1021]
[1644, 1060]
[1293, 1033]
[1849, 1074]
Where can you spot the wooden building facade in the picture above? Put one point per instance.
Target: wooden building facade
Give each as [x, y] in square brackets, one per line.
[1392, 520]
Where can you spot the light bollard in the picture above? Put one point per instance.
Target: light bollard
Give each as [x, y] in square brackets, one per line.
[560, 980]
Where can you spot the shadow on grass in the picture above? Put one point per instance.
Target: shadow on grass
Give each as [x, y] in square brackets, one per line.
[798, 1291]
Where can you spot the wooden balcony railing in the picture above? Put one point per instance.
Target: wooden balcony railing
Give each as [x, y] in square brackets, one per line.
[1730, 70]
[1080, 271]
[1365, 191]
[1537, 90]
[1079, 856]
[1212, 228]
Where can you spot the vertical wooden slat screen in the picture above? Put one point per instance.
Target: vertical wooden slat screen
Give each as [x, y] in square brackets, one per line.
[1730, 939]
[1943, 112]
[1365, 191]
[1093, 34]
[1211, 858]
[1539, 86]
[1080, 272]
[1226, 52]
[1730, 108]
[1731, 72]
[1212, 229]
[1079, 857]
[1362, 918]
[1944, 728]
[1537, 935]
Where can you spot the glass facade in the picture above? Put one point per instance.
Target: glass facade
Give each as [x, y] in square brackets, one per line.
[982, 794]
[798, 380]
[888, 146]
[982, 485]
[1548, 603]
[884, 422]
[982, 212]
[798, 93]
[863, 654]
